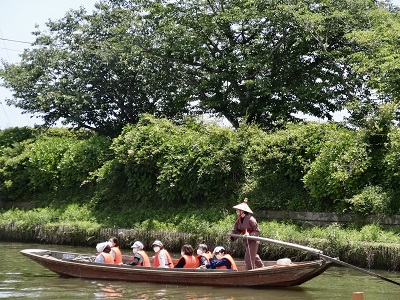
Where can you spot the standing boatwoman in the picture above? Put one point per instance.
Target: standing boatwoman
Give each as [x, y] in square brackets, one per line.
[246, 224]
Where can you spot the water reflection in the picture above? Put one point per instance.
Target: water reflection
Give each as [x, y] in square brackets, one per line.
[123, 290]
[108, 292]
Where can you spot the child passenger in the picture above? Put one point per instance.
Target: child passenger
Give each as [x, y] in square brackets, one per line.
[224, 260]
[203, 255]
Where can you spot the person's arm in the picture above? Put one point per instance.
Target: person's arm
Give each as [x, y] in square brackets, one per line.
[99, 259]
[136, 259]
[255, 230]
[235, 230]
[181, 263]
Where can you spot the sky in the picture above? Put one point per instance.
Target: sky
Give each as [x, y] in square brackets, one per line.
[17, 22]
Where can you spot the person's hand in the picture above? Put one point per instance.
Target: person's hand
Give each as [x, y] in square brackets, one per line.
[229, 234]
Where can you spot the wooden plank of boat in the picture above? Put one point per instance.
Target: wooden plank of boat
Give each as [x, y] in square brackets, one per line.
[79, 265]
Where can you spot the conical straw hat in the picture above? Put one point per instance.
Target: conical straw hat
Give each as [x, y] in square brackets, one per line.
[243, 206]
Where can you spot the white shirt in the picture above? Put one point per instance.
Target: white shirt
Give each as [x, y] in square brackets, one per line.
[162, 258]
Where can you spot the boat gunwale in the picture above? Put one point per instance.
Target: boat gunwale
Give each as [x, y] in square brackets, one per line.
[31, 252]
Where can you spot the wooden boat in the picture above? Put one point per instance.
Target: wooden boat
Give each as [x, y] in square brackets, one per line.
[69, 264]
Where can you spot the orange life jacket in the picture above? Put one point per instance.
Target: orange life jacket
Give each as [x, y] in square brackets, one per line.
[118, 255]
[157, 262]
[207, 255]
[146, 260]
[190, 262]
[233, 264]
[108, 258]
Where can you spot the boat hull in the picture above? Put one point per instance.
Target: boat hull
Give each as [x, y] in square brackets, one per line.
[65, 264]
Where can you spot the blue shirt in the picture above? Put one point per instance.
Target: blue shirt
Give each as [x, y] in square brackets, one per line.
[219, 263]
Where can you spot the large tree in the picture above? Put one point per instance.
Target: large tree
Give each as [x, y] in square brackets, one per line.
[261, 61]
[378, 59]
[84, 71]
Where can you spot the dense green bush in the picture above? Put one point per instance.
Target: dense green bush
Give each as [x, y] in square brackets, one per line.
[162, 163]
[11, 137]
[372, 199]
[13, 176]
[339, 169]
[275, 164]
[81, 159]
[45, 155]
[156, 166]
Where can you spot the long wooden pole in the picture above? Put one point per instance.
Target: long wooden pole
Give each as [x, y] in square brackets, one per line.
[315, 251]
[281, 243]
[339, 262]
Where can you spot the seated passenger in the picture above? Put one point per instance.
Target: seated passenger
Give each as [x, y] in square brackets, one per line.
[203, 255]
[187, 260]
[104, 255]
[140, 257]
[115, 251]
[224, 260]
[162, 259]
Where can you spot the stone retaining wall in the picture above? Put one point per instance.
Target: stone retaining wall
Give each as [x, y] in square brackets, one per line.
[321, 219]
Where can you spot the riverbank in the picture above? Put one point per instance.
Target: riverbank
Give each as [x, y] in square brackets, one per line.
[373, 255]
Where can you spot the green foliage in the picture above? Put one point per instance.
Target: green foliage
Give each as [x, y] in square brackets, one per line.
[253, 61]
[76, 216]
[155, 225]
[391, 161]
[14, 179]
[372, 233]
[28, 219]
[371, 200]
[335, 236]
[76, 212]
[378, 51]
[193, 163]
[199, 164]
[10, 137]
[44, 158]
[339, 169]
[13, 158]
[85, 71]
[81, 159]
[277, 162]
[279, 231]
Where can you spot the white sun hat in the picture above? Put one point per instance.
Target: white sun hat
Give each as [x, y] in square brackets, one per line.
[218, 249]
[138, 245]
[157, 243]
[101, 246]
